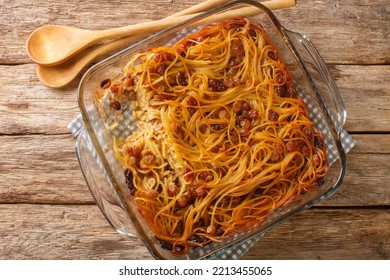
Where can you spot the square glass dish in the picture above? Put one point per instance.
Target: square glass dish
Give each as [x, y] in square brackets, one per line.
[104, 174]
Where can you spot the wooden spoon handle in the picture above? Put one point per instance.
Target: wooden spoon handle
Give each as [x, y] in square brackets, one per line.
[62, 74]
[204, 6]
[152, 26]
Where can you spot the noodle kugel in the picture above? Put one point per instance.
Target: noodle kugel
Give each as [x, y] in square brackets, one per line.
[222, 137]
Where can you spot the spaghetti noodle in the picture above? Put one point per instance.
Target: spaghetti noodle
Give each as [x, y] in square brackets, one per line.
[223, 137]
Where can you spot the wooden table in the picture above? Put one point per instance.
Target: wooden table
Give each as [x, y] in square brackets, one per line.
[46, 209]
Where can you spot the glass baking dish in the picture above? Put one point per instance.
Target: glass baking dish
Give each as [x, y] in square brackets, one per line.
[104, 174]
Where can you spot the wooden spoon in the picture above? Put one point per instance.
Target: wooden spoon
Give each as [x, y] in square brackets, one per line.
[62, 74]
[46, 45]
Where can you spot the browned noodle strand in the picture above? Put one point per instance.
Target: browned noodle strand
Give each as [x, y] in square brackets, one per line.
[223, 138]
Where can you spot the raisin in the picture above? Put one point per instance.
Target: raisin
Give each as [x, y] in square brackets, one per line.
[306, 151]
[237, 48]
[105, 83]
[203, 175]
[273, 116]
[279, 147]
[220, 231]
[200, 192]
[157, 57]
[221, 86]
[308, 131]
[281, 91]
[191, 101]
[237, 107]
[252, 32]
[229, 82]
[188, 175]
[244, 114]
[173, 189]
[165, 245]
[320, 182]
[197, 239]
[182, 201]
[316, 160]
[129, 181]
[258, 192]
[181, 78]
[134, 151]
[318, 143]
[190, 44]
[218, 126]
[115, 105]
[233, 137]
[128, 176]
[253, 115]
[271, 55]
[200, 38]
[160, 69]
[114, 88]
[237, 200]
[196, 183]
[245, 123]
[223, 114]
[129, 81]
[280, 79]
[274, 156]
[290, 146]
[246, 106]
[179, 227]
[234, 61]
[151, 194]
[291, 90]
[216, 85]
[300, 143]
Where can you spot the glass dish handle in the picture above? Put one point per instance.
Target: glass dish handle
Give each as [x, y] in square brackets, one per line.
[101, 190]
[322, 78]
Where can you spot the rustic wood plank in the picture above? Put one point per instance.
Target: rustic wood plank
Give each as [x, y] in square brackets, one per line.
[328, 234]
[366, 182]
[62, 232]
[81, 232]
[347, 32]
[88, 14]
[372, 144]
[44, 169]
[46, 209]
[27, 106]
[41, 169]
[366, 96]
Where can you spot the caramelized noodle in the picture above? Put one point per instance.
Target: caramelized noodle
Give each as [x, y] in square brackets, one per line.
[223, 138]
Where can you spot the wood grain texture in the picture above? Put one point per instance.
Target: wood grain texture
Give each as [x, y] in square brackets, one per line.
[62, 232]
[328, 234]
[41, 169]
[51, 174]
[47, 211]
[27, 106]
[348, 32]
[81, 232]
[366, 94]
